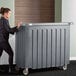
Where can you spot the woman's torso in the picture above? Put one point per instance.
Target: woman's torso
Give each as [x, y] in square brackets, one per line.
[4, 34]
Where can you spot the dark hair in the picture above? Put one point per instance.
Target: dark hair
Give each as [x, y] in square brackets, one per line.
[4, 10]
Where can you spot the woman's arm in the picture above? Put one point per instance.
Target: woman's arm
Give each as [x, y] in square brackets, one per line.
[8, 29]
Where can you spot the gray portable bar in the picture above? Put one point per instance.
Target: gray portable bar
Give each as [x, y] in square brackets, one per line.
[43, 45]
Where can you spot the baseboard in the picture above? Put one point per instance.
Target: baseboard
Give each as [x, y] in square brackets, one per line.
[72, 58]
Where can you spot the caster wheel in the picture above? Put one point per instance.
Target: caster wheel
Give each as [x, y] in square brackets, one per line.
[25, 71]
[65, 67]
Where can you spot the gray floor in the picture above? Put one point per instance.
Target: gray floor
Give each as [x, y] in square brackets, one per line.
[71, 71]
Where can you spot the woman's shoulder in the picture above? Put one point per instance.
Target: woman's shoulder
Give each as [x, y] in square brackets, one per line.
[4, 20]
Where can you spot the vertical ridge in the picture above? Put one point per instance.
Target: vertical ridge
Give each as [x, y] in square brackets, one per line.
[42, 50]
[46, 45]
[60, 46]
[55, 46]
[32, 48]
[51, 47]
[37, 48]
[64, 44]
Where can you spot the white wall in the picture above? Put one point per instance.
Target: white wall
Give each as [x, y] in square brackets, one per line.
[69, 15]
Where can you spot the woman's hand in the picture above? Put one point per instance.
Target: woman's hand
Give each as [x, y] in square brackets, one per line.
[19, 24]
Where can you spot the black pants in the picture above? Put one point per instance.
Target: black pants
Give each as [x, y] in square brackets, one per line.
[7, 48]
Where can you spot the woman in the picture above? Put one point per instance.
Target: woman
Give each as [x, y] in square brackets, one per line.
[5, 30]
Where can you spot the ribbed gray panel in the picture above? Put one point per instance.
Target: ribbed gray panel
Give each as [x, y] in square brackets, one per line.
[43, 46]
[20, 38]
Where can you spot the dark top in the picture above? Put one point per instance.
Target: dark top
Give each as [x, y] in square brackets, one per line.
[5, 30]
